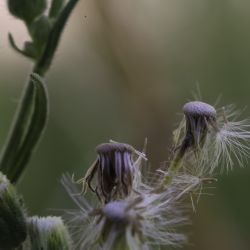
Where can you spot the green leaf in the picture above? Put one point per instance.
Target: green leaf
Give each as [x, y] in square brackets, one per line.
[24, 52]
[36, 126]
[18, 129]
[28, 126]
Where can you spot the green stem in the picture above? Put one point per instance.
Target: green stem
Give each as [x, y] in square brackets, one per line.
[174, 167]
[24, 134]
[44, 62]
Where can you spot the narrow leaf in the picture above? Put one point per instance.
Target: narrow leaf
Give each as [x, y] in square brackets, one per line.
[29, 125]
[18, 130]
[15, 47]
[36, 126]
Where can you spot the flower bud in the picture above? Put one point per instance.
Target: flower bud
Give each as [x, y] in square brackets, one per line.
[30, 49]
[39, 31]
[27, 10]
[48, 233]
[12, 216]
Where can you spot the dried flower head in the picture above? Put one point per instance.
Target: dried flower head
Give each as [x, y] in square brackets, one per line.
[191, 134]
[116, 218]
[137, 222]
[114, 170]
[150, 215]
[200, 117]
[215, 134]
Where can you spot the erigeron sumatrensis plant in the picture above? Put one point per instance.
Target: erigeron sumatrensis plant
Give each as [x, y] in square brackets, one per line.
[134, 209]
[45, 21]
[150, 213]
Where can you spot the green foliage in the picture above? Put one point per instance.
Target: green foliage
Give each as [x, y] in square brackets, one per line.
[28, 127]
[12, 216]
[48, 233]
[32, 112]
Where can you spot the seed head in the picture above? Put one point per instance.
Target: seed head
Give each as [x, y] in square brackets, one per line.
[115, 212]
[222, 138]
[136, 222]
[200, 117]
[114, 170]
[119, 217]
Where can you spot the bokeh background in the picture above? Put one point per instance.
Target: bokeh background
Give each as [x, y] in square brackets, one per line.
[122, 71]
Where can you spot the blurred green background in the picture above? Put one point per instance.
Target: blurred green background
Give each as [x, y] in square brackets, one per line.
[122, 71]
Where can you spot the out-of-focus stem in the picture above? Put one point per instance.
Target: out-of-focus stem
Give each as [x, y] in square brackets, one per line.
[174, 167]
[16, 140]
